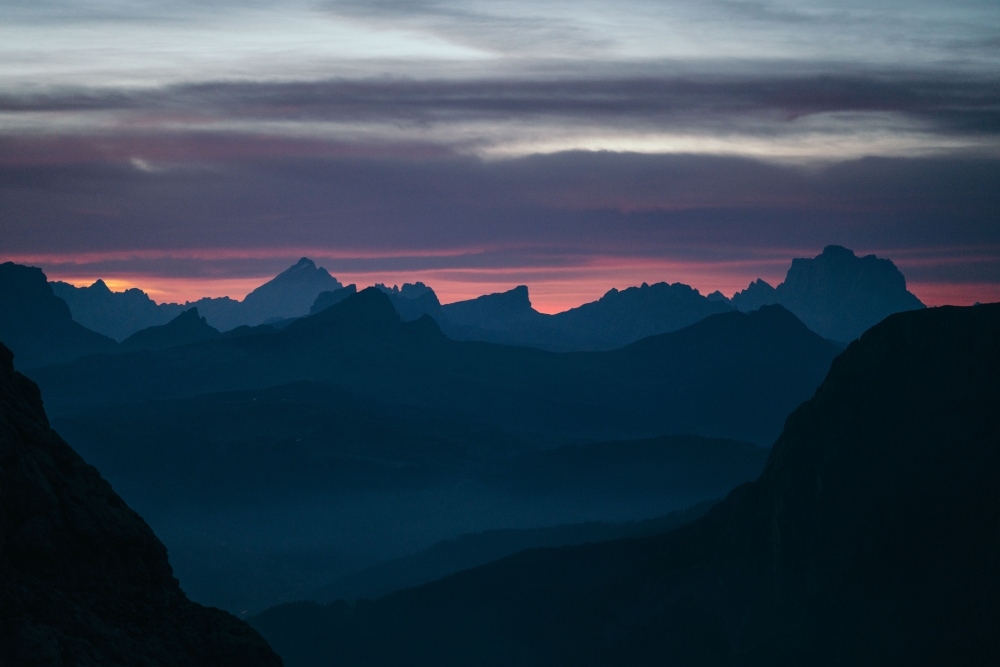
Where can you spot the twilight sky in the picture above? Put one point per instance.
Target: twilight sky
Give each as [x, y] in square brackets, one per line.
[197, 148]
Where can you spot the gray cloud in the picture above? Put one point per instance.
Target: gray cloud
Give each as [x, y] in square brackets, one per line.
[757, 105]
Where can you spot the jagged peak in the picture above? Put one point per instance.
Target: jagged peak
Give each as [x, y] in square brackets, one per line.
[837, 251]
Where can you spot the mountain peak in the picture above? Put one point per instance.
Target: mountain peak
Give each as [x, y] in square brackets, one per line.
[289, 294]
[85, 580]
[188, 327]
[836, 293]
[303, 265]
[837, 251]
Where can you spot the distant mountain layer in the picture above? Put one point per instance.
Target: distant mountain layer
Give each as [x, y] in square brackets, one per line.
[120, 314]
[870, 538]
[730, 375]
[114, 314]
[837, 294]
[614, 321]
[83, 580]
[37, 325]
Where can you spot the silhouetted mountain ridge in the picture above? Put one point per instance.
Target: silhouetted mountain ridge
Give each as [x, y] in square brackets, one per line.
[672, 383]
[290, 294]
[188, 327]
[83, 580]
[836, 293]
[37, 325]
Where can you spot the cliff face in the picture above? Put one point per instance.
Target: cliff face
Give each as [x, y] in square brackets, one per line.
[83, 580]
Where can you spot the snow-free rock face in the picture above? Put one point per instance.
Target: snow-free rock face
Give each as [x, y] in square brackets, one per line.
[83, 580]
[837, 294]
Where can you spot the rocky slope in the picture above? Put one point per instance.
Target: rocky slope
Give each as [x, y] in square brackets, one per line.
[83, 580]
[37, 324]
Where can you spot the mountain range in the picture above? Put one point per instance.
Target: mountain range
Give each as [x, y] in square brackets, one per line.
[352, 419]
[730, 375]
[120, 314]
[836, 294]
[870, 538]
[83, 580]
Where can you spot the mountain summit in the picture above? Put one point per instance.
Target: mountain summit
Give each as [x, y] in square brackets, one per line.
[837, 294]
[289, 294]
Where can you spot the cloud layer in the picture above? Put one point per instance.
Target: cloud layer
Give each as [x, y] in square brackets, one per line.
[570, 146]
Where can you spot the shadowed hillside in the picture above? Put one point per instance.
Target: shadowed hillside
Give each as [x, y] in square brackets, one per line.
[870, 538]
[83, 580]
[37, 325]
[730, 375]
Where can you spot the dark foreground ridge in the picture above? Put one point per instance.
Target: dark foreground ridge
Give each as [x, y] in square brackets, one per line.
[83, 580]
[871, 538]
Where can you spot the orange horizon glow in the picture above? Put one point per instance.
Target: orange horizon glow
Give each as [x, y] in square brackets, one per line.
[550, 290]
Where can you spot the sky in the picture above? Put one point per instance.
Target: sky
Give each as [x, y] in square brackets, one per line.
[198, 148]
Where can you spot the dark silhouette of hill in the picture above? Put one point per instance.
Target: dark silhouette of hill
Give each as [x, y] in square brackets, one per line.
[332, 297]
[114, 314]
[475, 549]
[83, 580]
[188, 327]
[615, 320]
[503, 311]
[622, 317]
[870, 538]
[730, 375]
[37, 325]
[836, 293]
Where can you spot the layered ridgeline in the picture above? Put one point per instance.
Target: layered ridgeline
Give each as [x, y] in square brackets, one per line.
[870, 538]
[731, 375]
[615, 320]
[120, 314]
[37, 325]
[837, 294]
[254, 455]
[83, 580]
